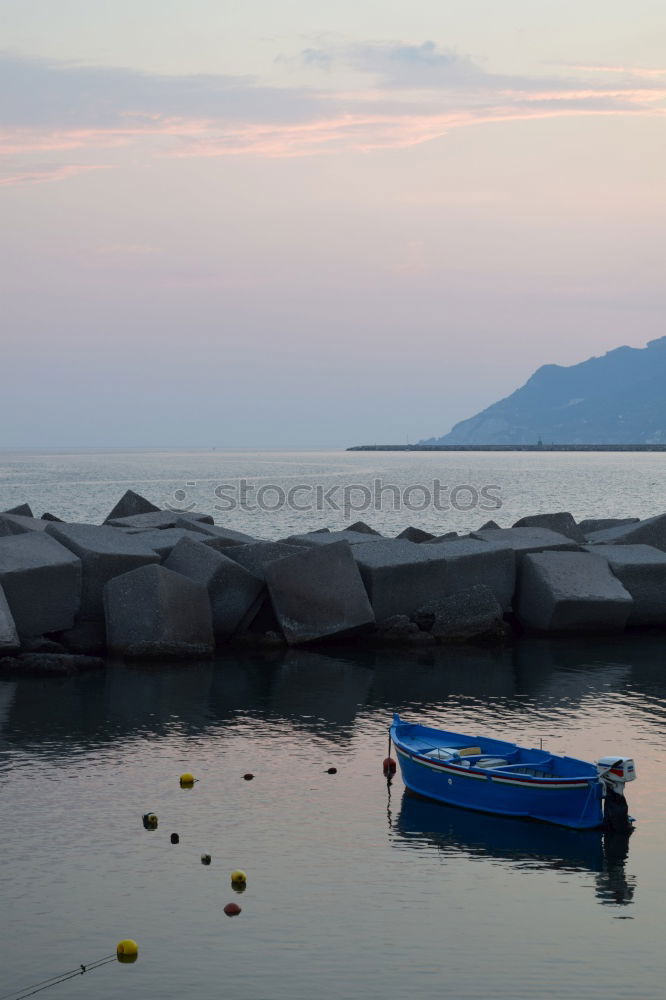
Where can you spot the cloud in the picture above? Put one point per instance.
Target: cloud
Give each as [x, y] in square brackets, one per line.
[418, 93]
[38, 175]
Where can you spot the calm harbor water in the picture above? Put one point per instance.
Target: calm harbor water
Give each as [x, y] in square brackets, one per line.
[354, 890]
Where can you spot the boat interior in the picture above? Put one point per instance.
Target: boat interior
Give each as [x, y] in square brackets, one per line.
[491, 754]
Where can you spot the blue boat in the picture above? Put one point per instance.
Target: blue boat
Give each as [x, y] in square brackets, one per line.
[493, 776]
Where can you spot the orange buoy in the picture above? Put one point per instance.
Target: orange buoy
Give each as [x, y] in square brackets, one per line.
[232, 909]
[389, 765]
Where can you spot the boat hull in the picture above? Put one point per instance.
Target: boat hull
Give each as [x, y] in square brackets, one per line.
[570, 802]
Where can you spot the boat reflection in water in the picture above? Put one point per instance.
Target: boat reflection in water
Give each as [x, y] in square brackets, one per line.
[523, 844]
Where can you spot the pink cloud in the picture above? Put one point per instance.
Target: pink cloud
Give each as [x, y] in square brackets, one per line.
[41, 175]
[377, 118]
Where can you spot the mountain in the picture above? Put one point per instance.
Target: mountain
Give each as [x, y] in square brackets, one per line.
[619, 398]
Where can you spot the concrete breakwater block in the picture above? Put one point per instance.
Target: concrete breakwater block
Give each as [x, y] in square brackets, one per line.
[474, 613]
[9, 637]
[570, 592]
[152, 612]
[232, 589]
[17, 524]
[320, 538]
[592, 524]
[562, 522]
[641, 569]
[131, 503]
[525, 540]
[104, 553]
[84, 637]
[157, 519]
[256, 556]
[41, 580]
[415, 534]
[651, 531]
[227, 535]
[318, 593]
[402, 576]
[23, 510]
[164, 541]
[360, 527]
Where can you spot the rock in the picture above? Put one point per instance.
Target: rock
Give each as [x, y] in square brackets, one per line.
[256, 556]
[526, 540]
[401, 576]
[162, 541]
[85, 637]
[652, 531]
[158, 519]
[217, 531]
[320, 538]
[318, 593]
[415, 535]
[601, 523]
[42, 582]
[9, 638]
[490, 526]
[40, 644]
[217, 544]
[23, 510]
[641, 569]
[18, 524]
[399, 630]
[570, 592]
[153, 612]
[232, 589]
[104, 554]
[51, 517]
[362, 528]
[129, 504]
[50, 664]
[562, 522]
[260, 618]
[474, 613]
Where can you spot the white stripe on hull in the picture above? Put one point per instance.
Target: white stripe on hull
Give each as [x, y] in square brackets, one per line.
[548, 784]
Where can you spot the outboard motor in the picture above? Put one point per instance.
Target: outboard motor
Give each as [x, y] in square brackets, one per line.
[614, 773]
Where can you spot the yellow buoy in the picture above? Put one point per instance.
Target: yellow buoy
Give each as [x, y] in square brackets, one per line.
[149, 821]
[187, 780]
[239, 877]
[127, 951]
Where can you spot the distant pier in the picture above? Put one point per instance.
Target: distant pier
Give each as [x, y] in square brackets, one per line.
[508, 447]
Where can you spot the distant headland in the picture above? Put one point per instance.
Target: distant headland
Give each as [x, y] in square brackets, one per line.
[615, 402]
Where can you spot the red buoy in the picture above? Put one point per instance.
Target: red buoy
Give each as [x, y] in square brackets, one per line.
[389, 765]
[232, 909]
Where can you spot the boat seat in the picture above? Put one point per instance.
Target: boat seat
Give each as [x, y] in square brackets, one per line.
[491, 762]
[441, 753]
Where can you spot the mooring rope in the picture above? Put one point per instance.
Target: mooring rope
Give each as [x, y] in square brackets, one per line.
[46, 984]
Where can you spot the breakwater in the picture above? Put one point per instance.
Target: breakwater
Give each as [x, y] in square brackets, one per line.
[156, 584]
[508, 447]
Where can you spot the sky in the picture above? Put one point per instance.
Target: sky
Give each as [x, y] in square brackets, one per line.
[243, 224]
